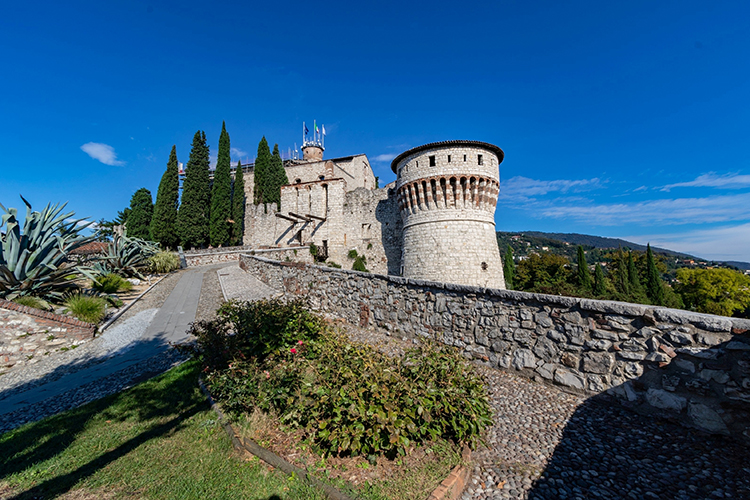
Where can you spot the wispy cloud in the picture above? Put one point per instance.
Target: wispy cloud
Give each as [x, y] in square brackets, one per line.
[721, 243]
[521, 189]
[386, 157]
[710, 209]
[237, 152]
[711, 179]
[103, 153]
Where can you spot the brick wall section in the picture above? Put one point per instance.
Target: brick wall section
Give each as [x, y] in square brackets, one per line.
[693, 367]
[26, 332]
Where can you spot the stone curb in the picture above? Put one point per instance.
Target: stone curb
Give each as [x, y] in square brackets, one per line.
[12, 306]
[268, 456]
[454, 485]
[120, 313]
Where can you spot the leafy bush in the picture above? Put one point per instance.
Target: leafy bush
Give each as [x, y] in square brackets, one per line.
[86, 308]
[164, 262]
[35, 262]
[29, 301]
[333, 264]
[350, 398]
[111, 283]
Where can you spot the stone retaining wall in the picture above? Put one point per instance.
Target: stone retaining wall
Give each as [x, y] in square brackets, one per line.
[27, 333]
[692, 367]
[205, 257]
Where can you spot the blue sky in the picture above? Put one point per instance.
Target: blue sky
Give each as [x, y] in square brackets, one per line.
[625, 119]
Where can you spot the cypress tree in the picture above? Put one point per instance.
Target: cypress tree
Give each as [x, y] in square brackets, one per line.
[193, 216]
[238, 206]
[584, 277]
[622, 284]
[654, 287]
[221, 194]
[260, 172]
[276, 178]
[509, 268]
[164, 221]
[636, 289]
[600, 287]
[141, 213]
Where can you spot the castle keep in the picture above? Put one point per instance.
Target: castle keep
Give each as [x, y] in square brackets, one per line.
[435, 222]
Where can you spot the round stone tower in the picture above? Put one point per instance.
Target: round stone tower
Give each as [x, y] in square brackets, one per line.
[447, 192]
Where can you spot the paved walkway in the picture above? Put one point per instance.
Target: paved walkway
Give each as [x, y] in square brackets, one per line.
[238, 284]
[149, 354]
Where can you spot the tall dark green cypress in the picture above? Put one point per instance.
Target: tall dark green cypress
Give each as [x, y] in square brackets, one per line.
[260, 173]
[600, 286]
[654, 287]
[636, 289]
[193, 216]
[622, 283]
[276, 178]
[141, 213]
[164, 221]
[509, 268]
[584, 277]
[221, 194]
[238, 206]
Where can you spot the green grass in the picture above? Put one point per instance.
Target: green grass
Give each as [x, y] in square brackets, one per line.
[112, 283]
[86, 308]
[29, 301]
[157, 440]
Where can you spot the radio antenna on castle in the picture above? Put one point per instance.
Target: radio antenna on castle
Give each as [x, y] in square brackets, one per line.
[318, 138]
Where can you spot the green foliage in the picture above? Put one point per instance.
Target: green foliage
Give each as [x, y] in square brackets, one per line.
[352, 254]
[86, 308]
[276, 178]
[509, 268]
[714, 291]
[583, 275]
[238, 206]
[261, 173]
[313, 249]
[163, 262]
[141, 213]
[193, 216]
[654, 285]
[349, 398]
[164, 221]
[127, 256]
[221, 194]
[29, 301]
[35, 261]
[360, 264]
[333, 264]
[545, 273]
[111, 283]
[600, 282]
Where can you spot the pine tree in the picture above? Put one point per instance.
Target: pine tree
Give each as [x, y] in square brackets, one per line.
[584, 277]
[193, 216]
[509, 268]
[600, 287]
[164, 221]
[260, 172]
[221, 194]
[654, 286]
[141, 213]
[238, 206]
[276, 178]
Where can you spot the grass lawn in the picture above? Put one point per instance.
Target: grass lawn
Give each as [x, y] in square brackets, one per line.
[157, 440]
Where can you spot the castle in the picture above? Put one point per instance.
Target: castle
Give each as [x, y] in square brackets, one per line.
[435, 222]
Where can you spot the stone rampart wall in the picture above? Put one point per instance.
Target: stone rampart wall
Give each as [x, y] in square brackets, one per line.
[693, 367]
[207, 257]
[27, 333]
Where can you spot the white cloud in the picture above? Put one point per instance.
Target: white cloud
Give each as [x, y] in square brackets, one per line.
[103, 153]
[384, 157]
[722, 243]
[521, 189]
[710, 209]
[711, 179]
[237, 152]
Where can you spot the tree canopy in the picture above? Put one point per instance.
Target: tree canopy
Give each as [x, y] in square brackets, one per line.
[141, 212]
[193, 215]
[221, 194]
[714, 291]
[238, 206]
[164, 221]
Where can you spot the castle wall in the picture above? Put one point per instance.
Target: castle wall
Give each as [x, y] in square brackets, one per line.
[694, 368]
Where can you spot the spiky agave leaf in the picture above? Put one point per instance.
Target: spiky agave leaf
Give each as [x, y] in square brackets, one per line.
[128, 256]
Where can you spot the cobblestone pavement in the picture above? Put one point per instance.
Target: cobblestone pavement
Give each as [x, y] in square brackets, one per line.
[238, 284]
[547, 444]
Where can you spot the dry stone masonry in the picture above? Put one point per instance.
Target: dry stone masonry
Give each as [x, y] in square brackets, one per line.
[692, 367]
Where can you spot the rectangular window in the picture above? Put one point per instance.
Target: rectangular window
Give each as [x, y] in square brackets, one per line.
[480, 160]
[432, 161]
[449, 158]
[464, 157]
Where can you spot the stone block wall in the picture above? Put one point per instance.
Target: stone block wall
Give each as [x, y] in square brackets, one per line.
[26, 333]
[692, 367]
[206, 257]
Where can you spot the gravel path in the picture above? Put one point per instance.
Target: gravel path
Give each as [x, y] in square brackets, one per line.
[211, 296]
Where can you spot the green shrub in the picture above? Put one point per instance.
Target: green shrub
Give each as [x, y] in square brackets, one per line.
[112, 283]
[359, 264]
[86, 308]
[333, 264]
[349, 398]
[352, 254]
[29, 301]
[164, 262]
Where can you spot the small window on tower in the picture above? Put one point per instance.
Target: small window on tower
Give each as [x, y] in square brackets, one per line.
[449, 158]
[464, 157]
[432, 161]
[480, 159]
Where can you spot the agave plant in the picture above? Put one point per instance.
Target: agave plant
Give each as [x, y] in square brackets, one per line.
[34, 260]
[127, 256]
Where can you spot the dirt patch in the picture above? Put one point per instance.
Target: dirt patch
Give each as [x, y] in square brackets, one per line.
[7, 493]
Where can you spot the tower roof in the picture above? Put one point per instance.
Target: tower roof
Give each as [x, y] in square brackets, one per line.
[433, 145]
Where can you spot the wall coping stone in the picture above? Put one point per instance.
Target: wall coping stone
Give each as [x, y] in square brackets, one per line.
[31, 311]
[709, 322]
